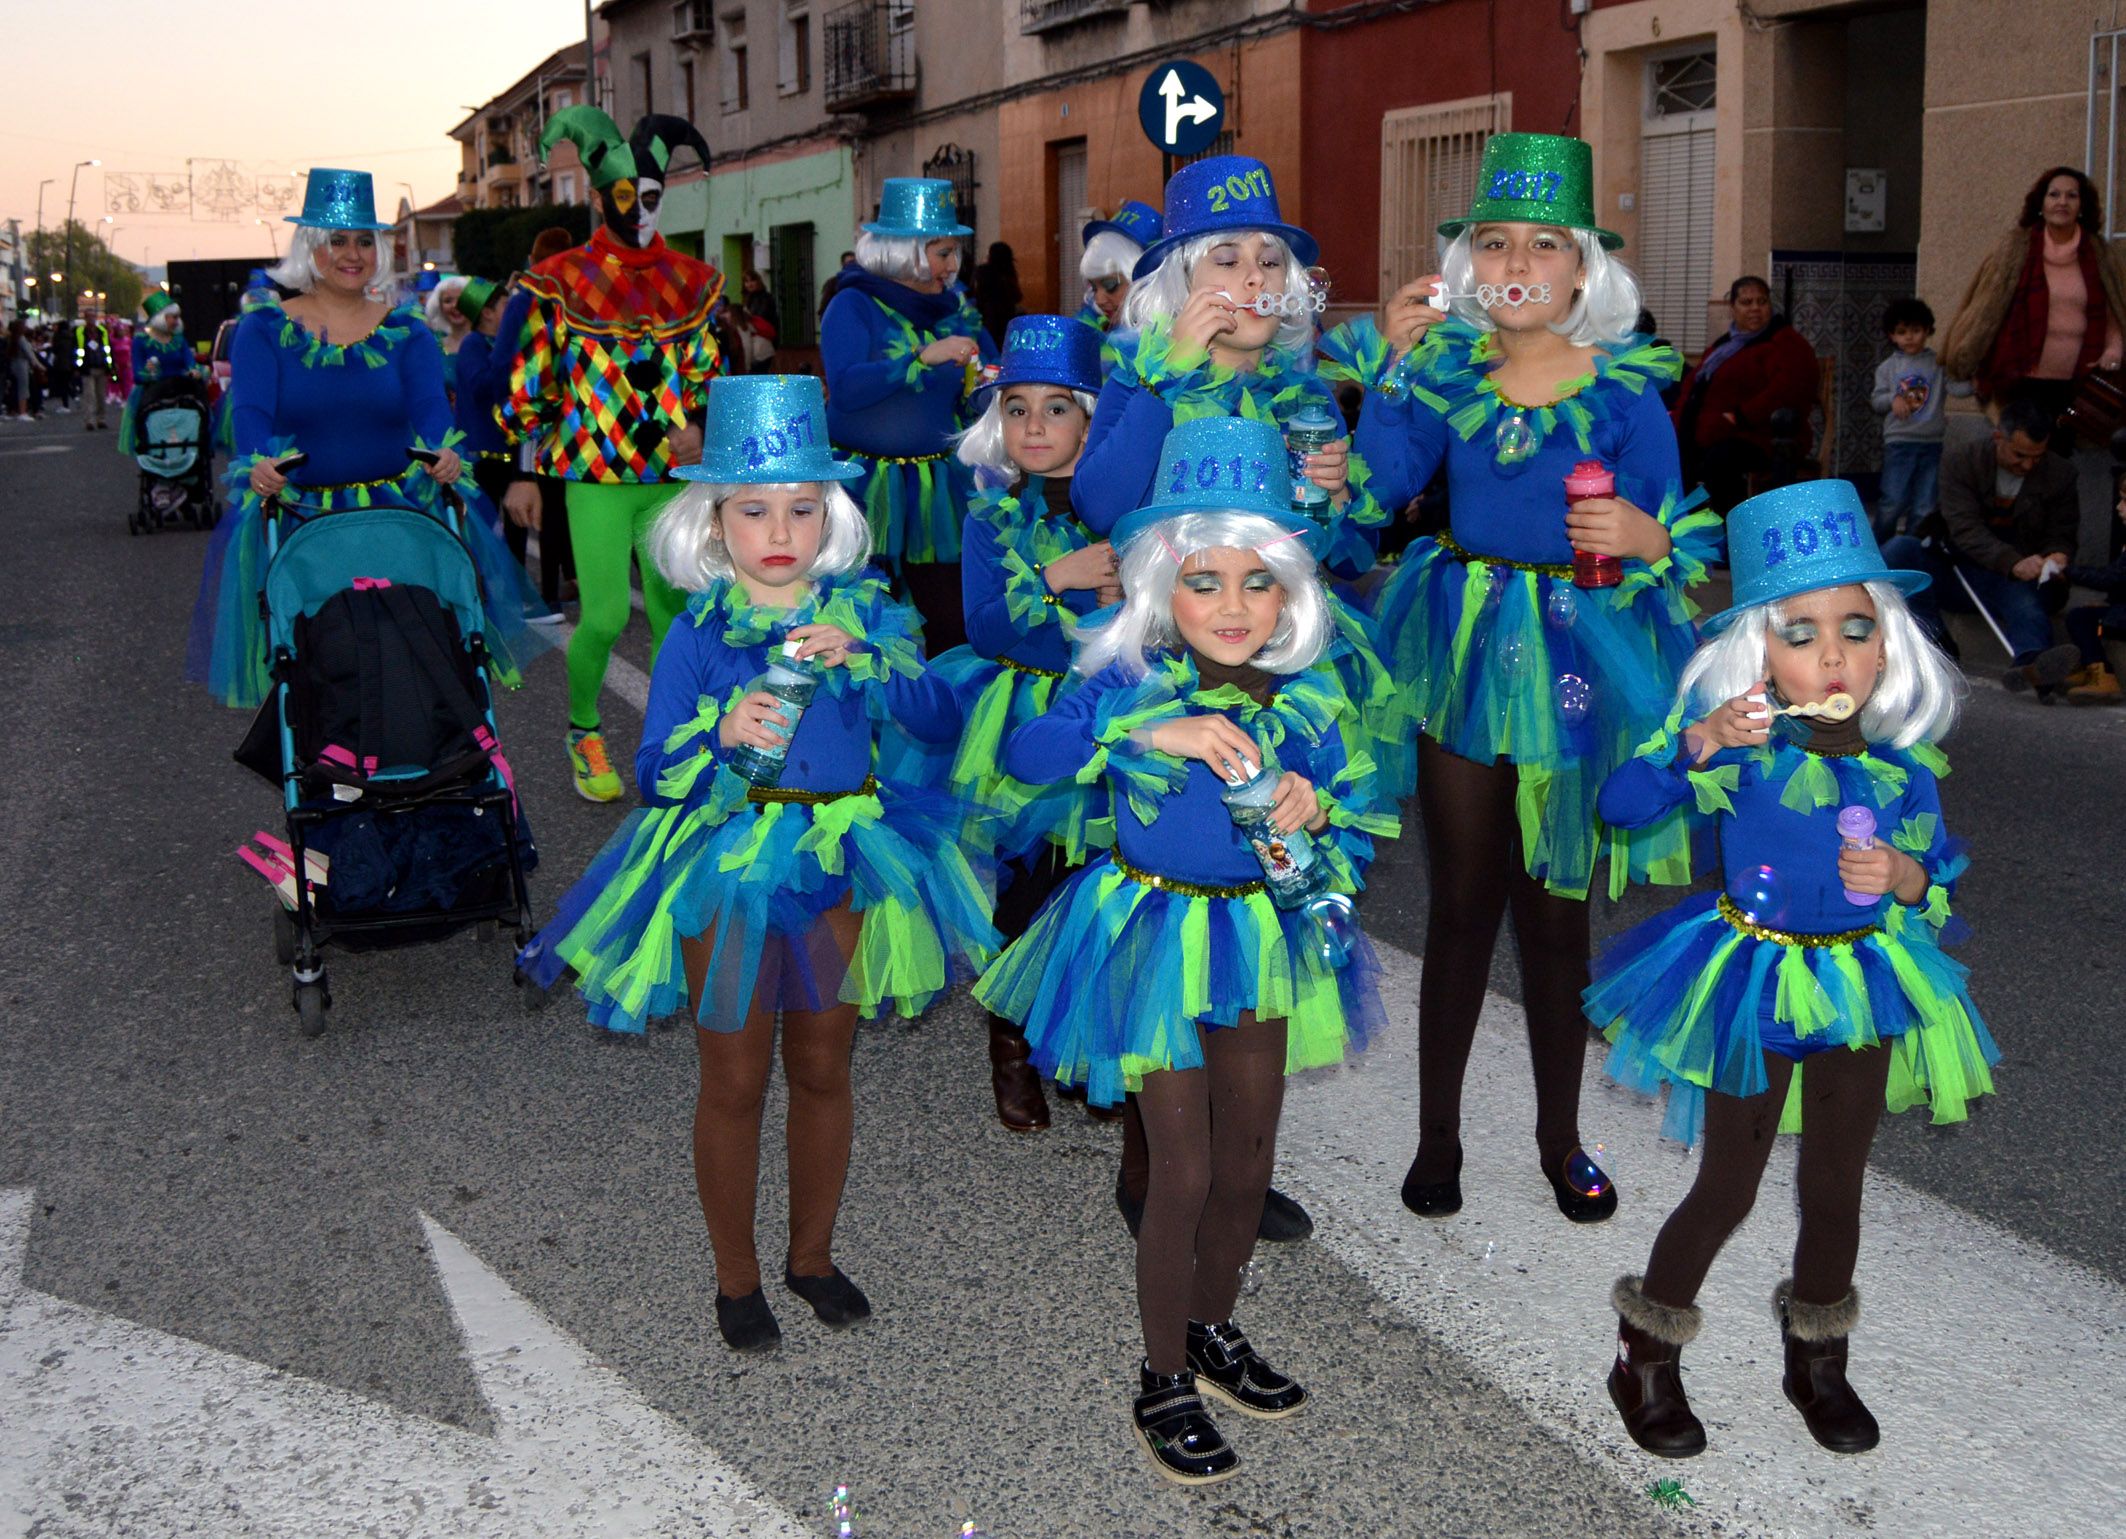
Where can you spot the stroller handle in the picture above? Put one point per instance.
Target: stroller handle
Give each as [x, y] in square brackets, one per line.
[426, 459]
[276, 504]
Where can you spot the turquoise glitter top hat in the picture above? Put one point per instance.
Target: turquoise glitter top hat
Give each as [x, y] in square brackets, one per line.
[1222, 465]
[917, 208]
[1051, 350]
[1135, 221]
[338, 200]
[1796, 539]
[766, 428]
[1223, 192]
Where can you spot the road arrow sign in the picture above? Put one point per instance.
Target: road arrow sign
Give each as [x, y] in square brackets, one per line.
[1181, 107]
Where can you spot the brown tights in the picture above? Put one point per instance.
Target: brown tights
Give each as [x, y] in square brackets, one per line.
[1478, 872]
[1841, 1102]
[734, 1084]
[1212, 1135]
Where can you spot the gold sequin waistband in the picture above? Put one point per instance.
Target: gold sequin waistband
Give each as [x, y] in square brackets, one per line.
[1039, 673]
[1459, 552]
[1733, 914]
[896, 459]
[758, 794]
[1186, 889]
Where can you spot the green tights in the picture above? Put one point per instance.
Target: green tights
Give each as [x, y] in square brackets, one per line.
[609, 524]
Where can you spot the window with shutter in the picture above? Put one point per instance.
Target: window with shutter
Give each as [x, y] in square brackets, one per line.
[1674, 253]
[1429, 159]
[790, 281]
[1071, 214]
[793, 73]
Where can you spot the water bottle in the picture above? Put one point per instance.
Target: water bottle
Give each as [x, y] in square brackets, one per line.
[1311, 430]
[1856, 831]
[1292, 873]
[1591, 478]
[791, 680]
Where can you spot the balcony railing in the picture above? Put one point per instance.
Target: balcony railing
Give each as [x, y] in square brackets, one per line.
[1041, 15]
[870, 47]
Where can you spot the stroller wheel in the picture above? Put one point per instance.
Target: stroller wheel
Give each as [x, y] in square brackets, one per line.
[283, 936]
[310, 1002]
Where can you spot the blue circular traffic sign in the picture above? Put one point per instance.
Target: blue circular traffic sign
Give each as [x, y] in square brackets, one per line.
[1181, 107]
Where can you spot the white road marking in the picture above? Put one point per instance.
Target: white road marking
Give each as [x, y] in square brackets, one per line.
[622, 677]
[39, 449]
[116, 1428]
[1982, 1354]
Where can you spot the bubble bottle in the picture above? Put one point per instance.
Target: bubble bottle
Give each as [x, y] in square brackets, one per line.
[792, 681]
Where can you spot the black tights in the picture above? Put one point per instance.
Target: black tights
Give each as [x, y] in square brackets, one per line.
[1841, 1101]
[1478, 872]
[1212, 1134]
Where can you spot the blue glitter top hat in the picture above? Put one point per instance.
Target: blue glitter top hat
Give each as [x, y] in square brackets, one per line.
[917, 208]
[1223, 192]
[338, 200]
[1222, 465]
[766, 428]
[1135, 221]
[1050, 350]
[1796, 539]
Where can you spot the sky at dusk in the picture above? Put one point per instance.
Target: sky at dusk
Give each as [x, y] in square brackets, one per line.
[146, 85]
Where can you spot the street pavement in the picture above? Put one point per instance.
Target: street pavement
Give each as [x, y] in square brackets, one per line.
[441, 1271]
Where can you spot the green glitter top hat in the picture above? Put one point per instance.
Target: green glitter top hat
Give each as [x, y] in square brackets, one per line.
[1535, 179]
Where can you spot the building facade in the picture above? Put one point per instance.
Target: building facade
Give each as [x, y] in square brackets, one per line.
[499, 142]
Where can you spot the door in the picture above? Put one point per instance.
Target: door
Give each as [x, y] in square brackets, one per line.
[1071, 215]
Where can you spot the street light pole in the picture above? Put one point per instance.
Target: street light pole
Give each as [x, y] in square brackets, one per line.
[73, 186]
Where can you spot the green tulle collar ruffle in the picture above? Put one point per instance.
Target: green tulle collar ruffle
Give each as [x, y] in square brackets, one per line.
[860, 603]
[373, 351]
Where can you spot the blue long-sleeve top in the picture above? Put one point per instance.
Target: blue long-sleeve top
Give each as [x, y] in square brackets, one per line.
[1170, 814]
[1005, 543]
[1146, 394]
[718, 652]
[154, 360]
[354, 409]
[1441, 406]
[483, 384]
[1777, 812]
[882, 400]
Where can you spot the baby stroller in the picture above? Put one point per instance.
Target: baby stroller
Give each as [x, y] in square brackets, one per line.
[401, 809]
[175, 457]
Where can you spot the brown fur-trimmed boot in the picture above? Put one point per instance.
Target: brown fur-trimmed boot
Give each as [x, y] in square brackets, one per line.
[1646, 1381]
[1815, 1381]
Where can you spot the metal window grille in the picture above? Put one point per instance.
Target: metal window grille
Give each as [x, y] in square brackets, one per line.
[790, 281]
[1429, 160]
[1684, 83]
[951, 163]
[869, 52]
[2101, 144]
[1040, 15]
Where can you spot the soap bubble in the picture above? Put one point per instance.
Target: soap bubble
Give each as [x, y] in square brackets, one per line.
[1584, 1175]
[1335, 927]
[1761, 895]
[1575, 697]
[1513, 657]
[1559, 611]
[1516, 440]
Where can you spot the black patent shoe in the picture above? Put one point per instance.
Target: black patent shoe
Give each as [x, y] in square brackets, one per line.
[1434, 1199]
[747, 1323]
[1228, 1368]
[1131, 1208]
[1184, 1443]
[836, 1300]
[1584, 1191]
[1283, 1221]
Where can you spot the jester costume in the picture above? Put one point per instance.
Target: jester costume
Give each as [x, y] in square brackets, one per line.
[613, 350]
[1496, 653]
[757, 868]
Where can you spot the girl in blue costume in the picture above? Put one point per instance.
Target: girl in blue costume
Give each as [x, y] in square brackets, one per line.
[1029, 571]
[900, 342]
[352, 383]
[1521, 690]
[1112, 249]
[1164, 969]
[1812, 988]
[482, 385]
[826, 897]
[160, 352]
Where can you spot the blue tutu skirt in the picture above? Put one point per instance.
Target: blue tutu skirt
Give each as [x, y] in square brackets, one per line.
[1116, 979]
[1494, 662]
[757, 878]
[916, 506]
[1694, 998]
[226, 649]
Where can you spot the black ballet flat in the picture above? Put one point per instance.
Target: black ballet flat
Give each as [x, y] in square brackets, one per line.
[836, 1300]
[1434, 1199]
[1584, 1191]
[747, 1323]
[1283, 1221]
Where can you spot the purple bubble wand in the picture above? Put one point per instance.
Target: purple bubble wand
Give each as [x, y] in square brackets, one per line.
[1856, 831]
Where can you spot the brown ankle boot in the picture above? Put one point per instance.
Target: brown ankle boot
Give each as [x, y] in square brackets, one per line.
[1020, 1104]
[1646, 1381]
[1815, 1381]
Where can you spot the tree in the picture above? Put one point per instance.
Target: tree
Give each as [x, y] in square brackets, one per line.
[97, 268]
[495, 242]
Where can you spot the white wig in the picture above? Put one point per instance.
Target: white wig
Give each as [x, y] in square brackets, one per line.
[1165, 289]
[1915, 700]
[443, 299]
[298, 269]
[692, 555]
[1110, 254]
[903, 258]
[1152, 564]
[982, 445]
[1605, 311]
